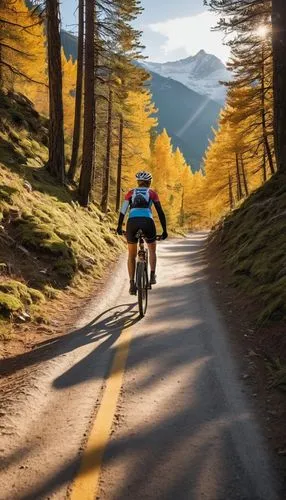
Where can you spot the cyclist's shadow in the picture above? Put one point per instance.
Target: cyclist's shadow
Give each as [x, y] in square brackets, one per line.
[107, 324]
[106, 329]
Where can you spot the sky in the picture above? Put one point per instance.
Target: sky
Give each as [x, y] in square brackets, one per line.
[172, 29]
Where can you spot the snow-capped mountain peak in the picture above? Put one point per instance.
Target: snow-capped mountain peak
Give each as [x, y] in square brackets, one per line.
[201, 73]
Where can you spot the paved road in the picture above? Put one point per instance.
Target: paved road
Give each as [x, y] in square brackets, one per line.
[181, 427]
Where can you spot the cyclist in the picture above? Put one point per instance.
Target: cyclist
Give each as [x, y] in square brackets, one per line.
[139, 202]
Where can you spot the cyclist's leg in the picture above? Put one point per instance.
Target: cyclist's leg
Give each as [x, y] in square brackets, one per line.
[150, 232]
[132, 252]
[152, 256]
[132, 229]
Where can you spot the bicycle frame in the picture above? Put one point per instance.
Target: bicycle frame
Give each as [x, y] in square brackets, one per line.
[142, 281]
[142, 254]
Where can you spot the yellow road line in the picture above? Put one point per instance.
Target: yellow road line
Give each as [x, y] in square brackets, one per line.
[85, 486]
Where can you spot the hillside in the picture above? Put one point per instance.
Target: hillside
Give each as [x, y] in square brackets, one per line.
[187, 116]
[47, 242]
[253, 247]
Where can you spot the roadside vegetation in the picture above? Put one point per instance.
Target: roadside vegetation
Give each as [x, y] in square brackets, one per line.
[244, 193]
[252, 241]
[73, 133]
[65, 167]
[47, 241]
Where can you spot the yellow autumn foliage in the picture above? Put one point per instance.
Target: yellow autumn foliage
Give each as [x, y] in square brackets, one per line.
[143, 147]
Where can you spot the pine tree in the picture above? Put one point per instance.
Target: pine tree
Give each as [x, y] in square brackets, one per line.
[56, 163]
[140, 121]
[279, 80]
[12, 48]
[241, 156]
[251, 63]
[69, 69]
[35, 87]
[21, 59]
[88, 158]
[120, 45]
[119, 164]
[79, 94]
[162, 168]
[116, 44]
[106, 172]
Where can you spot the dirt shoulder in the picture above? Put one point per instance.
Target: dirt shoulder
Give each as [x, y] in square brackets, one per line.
[27, 339]
[260, 351]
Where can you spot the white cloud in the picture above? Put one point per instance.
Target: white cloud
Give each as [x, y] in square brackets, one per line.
[190, 34]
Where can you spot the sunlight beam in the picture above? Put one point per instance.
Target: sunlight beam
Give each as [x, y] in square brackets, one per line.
[262, 31]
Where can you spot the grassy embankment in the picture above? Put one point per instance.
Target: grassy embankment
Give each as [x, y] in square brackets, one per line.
[253, 244]
[47, 242]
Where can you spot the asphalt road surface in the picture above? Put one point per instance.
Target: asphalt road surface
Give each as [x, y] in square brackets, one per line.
[127, 409]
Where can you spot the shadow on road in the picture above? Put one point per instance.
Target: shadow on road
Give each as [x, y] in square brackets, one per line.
[108, 324]
[193, 440]
[187, 451]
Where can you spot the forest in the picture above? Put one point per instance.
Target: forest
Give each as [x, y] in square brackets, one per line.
[102, 121]
[96, 146]
[115, 385]
[94, 125]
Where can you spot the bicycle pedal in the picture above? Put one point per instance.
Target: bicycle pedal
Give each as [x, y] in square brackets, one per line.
[149, 286]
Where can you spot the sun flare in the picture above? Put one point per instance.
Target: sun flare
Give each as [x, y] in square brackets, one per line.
[262, 31]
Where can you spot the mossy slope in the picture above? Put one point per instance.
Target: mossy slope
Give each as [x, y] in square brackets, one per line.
[253, 242]
[47, 242]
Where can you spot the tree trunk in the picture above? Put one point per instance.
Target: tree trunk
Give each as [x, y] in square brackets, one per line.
[182, 212]
[244, 176]
[56, 163]
[106, 173]
[264, 169]
[95, 104]
[263, 114]
[1, 67]
[119, 164]
[231, 198]
[279, 81]
[238, 179]
[88, 157]
[78, 96]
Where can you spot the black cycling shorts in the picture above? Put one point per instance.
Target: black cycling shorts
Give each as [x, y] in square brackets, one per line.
[146, 224]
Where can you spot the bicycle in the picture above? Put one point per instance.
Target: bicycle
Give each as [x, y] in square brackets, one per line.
[141, 276]
[142, 280]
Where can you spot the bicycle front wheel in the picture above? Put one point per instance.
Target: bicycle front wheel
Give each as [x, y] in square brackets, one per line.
[142, 287]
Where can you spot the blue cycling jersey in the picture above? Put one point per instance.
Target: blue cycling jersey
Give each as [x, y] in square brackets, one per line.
[139, 202]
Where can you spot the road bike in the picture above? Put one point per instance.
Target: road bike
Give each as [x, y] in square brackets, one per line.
[141, 277]
[142, 280]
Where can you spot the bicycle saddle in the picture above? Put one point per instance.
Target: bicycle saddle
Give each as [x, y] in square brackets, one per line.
[139, 234]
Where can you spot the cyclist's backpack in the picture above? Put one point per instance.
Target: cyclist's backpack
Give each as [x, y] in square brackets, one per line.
[140, 198]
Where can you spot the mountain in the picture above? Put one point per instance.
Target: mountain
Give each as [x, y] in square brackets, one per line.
[69, 43]
[201, 73]
[187, 116]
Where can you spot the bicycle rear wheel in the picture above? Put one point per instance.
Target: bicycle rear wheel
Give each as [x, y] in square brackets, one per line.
[142, 287]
